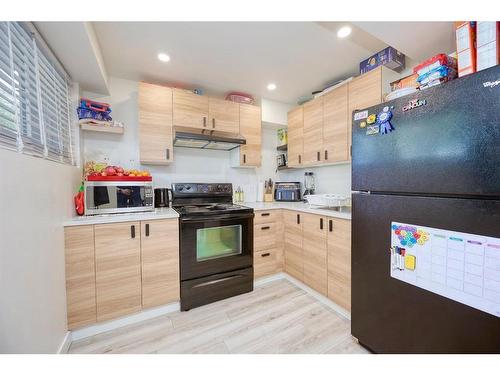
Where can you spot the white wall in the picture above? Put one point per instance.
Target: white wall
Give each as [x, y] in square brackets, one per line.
[190, 165]
[36, 197]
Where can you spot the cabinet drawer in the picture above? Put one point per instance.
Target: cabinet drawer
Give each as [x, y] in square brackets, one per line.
[265, 236]
[267, 262]
[266, 216]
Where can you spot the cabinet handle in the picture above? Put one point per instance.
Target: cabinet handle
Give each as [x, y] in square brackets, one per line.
[147, 230]
[300, 160]
[265, 228]
[244, 158]
[132, 231]
[319, 155]
[204, 122]
[265, 214]
[330, 225]
[213, 123]
[168, 153]
[326, 154]
[265, 255]
[321, 223]
[298, 218]
[350, 150]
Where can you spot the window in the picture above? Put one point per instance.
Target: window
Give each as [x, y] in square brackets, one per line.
[34, 98]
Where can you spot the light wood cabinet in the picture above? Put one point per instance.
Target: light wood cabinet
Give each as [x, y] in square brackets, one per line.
[249, 155]
[118, 269]
[268, 243]
[160, 262]
[339, 262]
[155, 124]
[190, 110]
[224, 115]
[336, 125]
[294, 257]
[80, 276]
[313, 132]
[267, 262]
[295, 137]
[314, 233]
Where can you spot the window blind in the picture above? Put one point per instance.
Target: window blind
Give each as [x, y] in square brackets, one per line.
[34, 98]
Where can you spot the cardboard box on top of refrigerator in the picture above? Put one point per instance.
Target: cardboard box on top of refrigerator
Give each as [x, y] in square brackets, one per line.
[465, 33]
[389, 57]
[488, 44]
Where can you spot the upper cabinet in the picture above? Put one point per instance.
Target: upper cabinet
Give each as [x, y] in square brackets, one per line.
[325, 130]
[155, 124]
[190, 110]
[313, 132]
[224, 115]
[295, 137]
[249, 155]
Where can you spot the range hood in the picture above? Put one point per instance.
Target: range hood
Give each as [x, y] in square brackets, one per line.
[207, 139]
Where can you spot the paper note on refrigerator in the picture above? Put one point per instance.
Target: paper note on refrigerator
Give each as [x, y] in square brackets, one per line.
[460, 266]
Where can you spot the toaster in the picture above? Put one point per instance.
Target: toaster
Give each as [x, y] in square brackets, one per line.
[287, 191]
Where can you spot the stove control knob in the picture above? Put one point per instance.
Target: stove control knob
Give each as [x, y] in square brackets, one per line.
[188, 187]
[180, 188]
[220, 188]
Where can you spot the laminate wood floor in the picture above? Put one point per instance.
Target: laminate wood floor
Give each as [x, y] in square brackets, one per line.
[277, 317]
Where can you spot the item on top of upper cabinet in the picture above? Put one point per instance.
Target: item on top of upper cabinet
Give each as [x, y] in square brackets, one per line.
[465, 33]
[488, 44]
[405, 82]
[240, 97]
[388, 57]
[435, 70]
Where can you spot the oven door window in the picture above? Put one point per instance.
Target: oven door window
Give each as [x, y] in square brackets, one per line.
[218, 242]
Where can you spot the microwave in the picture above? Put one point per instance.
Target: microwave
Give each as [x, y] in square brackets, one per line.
[115, 197]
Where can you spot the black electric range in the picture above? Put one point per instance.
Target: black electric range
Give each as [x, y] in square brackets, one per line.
[216, 243]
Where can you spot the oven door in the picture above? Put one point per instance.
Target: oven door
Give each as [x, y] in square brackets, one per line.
[215, 244]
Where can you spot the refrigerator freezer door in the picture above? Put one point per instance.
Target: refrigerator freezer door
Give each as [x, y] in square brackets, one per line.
[448, 146]
[392, 316]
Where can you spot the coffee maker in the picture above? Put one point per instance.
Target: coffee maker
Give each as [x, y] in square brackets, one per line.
[309, 183]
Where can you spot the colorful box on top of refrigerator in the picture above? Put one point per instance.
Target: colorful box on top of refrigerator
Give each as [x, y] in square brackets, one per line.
[465, 33]
[389, 57]
[488, 44]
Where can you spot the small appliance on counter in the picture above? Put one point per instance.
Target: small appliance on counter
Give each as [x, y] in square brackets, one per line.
[287, 191]
[309, 184]
[162, 198]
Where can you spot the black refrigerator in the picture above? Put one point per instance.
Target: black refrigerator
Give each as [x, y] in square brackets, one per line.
[426, 220]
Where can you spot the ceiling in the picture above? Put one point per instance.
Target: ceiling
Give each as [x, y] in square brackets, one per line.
[300, 57]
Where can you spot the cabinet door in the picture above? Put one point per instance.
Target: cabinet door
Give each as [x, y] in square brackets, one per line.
[295, 137]
[80, 275]
[336, 125]
[251, 130]
[267, 262]
[313, 132]
[339, 262]
[160, 262]
[118, 269]
[315, 252]
[190, 110]
[293, 244]
[364, 91]
[224, 115]
[155, 124]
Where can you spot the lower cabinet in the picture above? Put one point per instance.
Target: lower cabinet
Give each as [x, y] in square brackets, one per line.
[294, 264]
[268, 243]
[117, 269]
[160, 262]
[314, 247]
[339, 262]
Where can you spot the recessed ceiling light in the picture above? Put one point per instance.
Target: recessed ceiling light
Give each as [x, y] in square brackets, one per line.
[271, 86]
[344, 31]
[163, 57]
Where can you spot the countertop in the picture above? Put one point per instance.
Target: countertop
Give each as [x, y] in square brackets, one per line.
[344, 213]
[159, 213]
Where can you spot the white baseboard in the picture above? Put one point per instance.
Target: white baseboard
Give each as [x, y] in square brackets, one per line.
[66, 342]
[321, 298]
[122, 322]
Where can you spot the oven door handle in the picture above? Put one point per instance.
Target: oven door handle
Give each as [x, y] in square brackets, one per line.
[216, 217]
